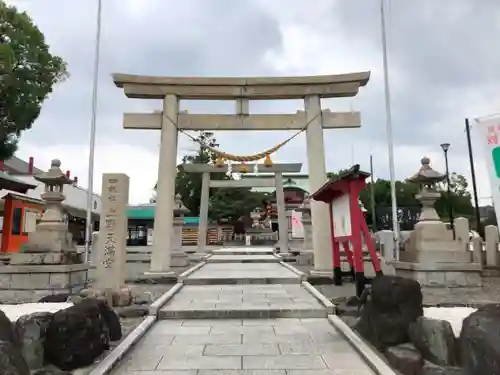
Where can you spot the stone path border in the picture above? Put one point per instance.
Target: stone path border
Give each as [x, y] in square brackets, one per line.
[370, 355]
[112, 359]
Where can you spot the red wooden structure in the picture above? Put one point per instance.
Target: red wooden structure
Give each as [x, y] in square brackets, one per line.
[17, 207]
[346, 188]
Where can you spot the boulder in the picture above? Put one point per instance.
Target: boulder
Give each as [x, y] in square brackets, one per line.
[31, 331]
[385, 317]
[110, 317]
[435, 340]
[480, 341]
[122, 297]
[433, 369]
[405, 358]
[12, 361]
[76, 336]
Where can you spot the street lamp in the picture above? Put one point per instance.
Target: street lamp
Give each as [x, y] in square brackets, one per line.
[446, 147]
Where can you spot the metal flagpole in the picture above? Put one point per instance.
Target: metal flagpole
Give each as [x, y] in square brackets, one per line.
[95, 84]
[390, 142]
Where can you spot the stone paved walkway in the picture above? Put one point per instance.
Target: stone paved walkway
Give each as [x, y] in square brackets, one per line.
[196, 337]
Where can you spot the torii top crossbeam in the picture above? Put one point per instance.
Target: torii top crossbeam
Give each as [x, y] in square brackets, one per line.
[228, 88]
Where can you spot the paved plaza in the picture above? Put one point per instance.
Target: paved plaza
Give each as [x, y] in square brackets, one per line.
[235, 328]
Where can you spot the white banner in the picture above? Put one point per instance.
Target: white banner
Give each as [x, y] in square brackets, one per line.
[490, 142]
[297, 227]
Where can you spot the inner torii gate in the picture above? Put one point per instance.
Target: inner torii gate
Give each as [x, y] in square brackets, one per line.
[172, 89]
[277, 182]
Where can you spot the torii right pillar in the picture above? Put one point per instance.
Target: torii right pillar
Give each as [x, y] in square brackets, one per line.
[320, 216]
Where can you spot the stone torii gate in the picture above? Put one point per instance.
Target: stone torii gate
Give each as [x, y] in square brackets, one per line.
[173, 89]
[277, 182]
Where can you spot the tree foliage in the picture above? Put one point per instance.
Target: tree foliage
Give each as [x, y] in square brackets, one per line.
[28, 73]
[225, 203]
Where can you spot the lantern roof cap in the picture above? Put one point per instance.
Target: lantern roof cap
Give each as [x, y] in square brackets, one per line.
[426, 175]
[54, 176]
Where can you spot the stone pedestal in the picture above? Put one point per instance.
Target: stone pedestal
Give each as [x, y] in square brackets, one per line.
[432, 257]
[29, 283]
[49, 262]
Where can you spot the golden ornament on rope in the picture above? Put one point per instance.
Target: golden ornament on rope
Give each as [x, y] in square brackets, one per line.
[266, 155]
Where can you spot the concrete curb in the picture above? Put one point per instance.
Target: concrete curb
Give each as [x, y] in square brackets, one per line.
[330, 307]
[301, 274]
[110, 361]
[369, 355]
[188, 272]
[158, 304]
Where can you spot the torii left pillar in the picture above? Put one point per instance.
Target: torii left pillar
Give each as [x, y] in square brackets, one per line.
[167, 169]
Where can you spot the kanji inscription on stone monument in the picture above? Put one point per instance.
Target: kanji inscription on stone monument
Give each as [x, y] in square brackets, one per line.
[113, 231]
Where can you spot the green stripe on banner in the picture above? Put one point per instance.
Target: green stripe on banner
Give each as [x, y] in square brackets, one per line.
[495, 153]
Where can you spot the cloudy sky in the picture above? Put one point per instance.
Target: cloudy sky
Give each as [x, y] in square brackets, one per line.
[443, 56]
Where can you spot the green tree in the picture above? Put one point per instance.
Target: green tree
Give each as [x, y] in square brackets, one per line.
[188, 185]
[460, 198]
[28, 73]
[233, 203]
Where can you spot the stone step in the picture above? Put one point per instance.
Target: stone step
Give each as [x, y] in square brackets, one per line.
[243, 259]
[244, 251]
[240, 280]
[243, 313]
[242, 273]
[243, 302]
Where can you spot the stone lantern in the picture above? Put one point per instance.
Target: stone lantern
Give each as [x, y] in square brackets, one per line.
[48, 263]
[431, 255]
[51, 234]
[179, 258]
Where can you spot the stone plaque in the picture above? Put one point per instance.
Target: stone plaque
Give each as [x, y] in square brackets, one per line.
[113, 231]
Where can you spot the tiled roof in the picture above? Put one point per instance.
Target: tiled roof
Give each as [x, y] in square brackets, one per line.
[11, 183]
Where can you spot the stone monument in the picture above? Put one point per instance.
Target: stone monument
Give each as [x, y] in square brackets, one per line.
[48, 263]
[431, 255]
[113, 229]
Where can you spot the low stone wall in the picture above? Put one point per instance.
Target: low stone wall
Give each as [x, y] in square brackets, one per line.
[27, 283]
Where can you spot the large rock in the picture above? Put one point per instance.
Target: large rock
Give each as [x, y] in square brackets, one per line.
[110, 317]
[405, 358]
[385, 318]
[76, 336]
[31, 331]
[12, 361]
[480, 341]
[435, 340]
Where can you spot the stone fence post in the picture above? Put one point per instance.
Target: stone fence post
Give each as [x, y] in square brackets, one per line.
[386, 245]
[462, 232]
[477, 250]
[491, 244]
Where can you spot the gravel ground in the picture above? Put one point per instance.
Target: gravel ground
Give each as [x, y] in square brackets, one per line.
[489, 293]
